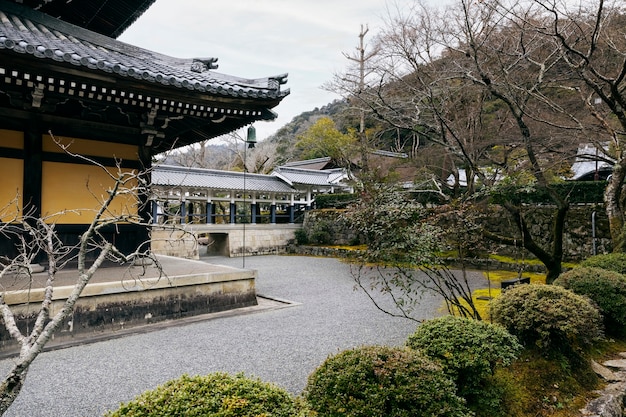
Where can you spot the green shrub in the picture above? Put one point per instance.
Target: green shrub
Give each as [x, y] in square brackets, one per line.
[610, 261]
[301, 237]
[217, 394]
[605, 288]
[382, 381]
[469, 351]
[549, 317]
[321, 233]
[334, 200]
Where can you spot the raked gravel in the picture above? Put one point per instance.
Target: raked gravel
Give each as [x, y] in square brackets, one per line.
[282, 346]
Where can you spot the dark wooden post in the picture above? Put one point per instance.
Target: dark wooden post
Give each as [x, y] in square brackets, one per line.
[33, 156]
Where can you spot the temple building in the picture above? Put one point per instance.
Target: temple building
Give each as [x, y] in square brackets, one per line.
[235, 213]
[68, 87]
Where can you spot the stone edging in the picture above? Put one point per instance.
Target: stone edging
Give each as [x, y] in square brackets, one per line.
[610, 402]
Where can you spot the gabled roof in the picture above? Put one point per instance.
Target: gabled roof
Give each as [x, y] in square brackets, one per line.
[173, 176]
[327, 177]
[107, 17]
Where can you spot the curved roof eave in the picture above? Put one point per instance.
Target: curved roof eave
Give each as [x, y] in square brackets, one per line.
[26, 31]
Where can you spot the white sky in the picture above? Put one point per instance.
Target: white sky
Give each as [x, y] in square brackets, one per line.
[260, 38]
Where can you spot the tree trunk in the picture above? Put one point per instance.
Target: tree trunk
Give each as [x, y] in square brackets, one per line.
[552, 260]
[612, 201]
[11, 387]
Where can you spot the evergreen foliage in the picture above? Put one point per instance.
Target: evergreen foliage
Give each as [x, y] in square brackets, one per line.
[549, 317]
[217, 394]
[382, 381]
[607, 289]
[610, 261]
[469, 352]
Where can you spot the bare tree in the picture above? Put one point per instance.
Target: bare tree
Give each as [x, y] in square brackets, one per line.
[590, 39]
[260, 159]
[420, 95]
[481, 83]
[400, 260]
[35, 237]
[352, 84]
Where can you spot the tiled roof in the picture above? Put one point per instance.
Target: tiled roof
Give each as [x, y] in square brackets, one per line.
[328, 177]
[172, 176]
[109, 18]
[26, 31]
[589, 159]
[316, 163]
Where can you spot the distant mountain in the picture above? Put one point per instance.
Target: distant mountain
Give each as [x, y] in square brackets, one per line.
[287, 136]
[280, 145]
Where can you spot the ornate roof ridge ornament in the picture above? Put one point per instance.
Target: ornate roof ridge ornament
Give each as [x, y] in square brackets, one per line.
[203, 64]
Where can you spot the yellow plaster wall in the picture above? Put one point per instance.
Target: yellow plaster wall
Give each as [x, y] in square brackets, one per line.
[78, 190]
[11, 173]
[11, 190]
[11, 139]
[72, 193]
[88, 147]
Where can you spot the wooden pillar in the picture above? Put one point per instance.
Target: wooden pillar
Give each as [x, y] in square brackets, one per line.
[144, 210]
[253, 213]
[233, 213]
[33, 157]
[273, 213]
[155, 211]
[190, 212]
[183, 211]
[210, 213]
[32, 175]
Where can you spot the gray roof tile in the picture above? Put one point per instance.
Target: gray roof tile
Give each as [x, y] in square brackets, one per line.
[26, 31]
[327, 177]
[173, 176]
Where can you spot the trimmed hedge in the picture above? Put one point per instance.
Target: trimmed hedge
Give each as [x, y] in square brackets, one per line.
[334, 200]
[217, 394]
[468, 350]
[573, 191]
[382, 381]
[604, 287]
[610, 261]
[549, 317]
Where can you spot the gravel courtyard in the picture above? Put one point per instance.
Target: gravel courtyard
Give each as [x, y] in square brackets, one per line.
[282, 345]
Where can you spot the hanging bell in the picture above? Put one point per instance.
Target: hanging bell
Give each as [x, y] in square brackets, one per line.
[251, 138]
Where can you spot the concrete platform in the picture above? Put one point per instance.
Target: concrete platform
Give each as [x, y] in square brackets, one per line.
[122, 297]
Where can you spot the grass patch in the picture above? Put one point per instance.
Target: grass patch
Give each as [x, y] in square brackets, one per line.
[540, 387]
[481, 297]
[532, 261]
[496, 277]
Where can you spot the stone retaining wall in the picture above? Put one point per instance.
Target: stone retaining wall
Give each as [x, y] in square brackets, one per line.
[121, 304]
[187, 241]
[578, 238]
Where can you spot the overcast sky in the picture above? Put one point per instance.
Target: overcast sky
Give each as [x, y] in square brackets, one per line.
[260, 38]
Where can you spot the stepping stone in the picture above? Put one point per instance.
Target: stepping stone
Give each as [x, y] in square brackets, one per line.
[605, 373]
[616, 363]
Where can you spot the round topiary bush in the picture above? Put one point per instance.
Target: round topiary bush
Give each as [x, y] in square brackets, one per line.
[468, 350]
[610, 261]
[217, 394]
[382, 381]
[549, 317]
[604, 287]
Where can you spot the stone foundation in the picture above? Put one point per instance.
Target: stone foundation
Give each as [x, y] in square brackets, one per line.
[187, 241]
[176, 241]
[120, 302]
